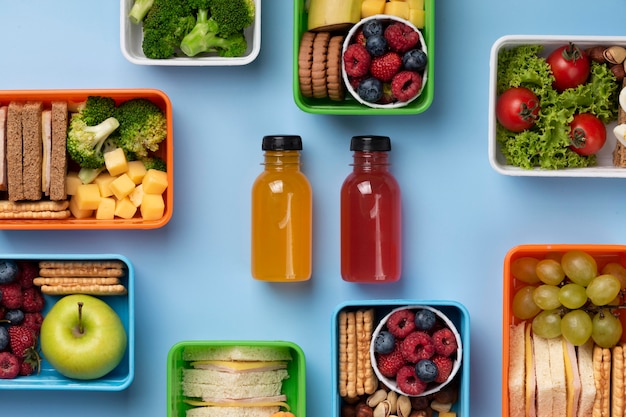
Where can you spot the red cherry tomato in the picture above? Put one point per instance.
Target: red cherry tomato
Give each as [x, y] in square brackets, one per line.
[517, 109]
[588, 134]
[570, 66]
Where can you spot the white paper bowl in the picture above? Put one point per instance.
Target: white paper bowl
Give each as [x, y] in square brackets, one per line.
[432, 388]
[604, 167]
[131, 36]
[348, 41]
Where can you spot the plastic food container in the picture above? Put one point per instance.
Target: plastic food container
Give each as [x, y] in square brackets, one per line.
[166, 152]
[294, 387]
[603, 254]
[131, 37]
[604, 167]
[350, 106]
[457, 315]
[124, 305]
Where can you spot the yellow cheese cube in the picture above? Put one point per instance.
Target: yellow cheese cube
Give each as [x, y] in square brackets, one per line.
[106, 209]
[136, 171]
[122, 186]
[103, 181]
[125, 209]
[417, 17]
[397, 8]
[416, 4]
[87, 197]
[372, 7]
[152, 207]
[137, 195]
[154, 182]
[76, 212]
[72, 182]
[115, 162]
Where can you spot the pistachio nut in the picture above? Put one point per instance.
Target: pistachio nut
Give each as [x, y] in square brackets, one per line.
[615, 54]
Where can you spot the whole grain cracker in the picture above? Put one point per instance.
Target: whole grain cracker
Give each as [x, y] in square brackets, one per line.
[84, 289]
[39, 281]
[617, 382]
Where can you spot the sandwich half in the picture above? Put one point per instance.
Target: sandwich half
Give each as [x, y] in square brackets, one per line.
[588, 386]
[517, 372]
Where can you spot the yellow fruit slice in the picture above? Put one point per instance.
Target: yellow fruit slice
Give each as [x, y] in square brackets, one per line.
[372, 7]
[416, 4]
[397, 8]
[417, 17]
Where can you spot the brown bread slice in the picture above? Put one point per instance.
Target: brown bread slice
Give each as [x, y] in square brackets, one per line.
[32, 150]
[58, 164]
[14, 151]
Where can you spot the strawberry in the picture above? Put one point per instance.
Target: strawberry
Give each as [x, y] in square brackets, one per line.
[356, 60]
[401, 37]
[9, 365]
[26, 273]
[11, 295]
[406, 85]
[32, 300]
[22, 340]
[386, 66]
[359, 37]
[444, 367]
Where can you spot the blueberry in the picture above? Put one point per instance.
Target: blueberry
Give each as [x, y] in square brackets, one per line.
[8, 271]
[425, 319]
[414, 60]
[370, 89]
[14, 316]
[372, 27]
[426, 370]
[384, 342]
[376, 45]
[4, 338]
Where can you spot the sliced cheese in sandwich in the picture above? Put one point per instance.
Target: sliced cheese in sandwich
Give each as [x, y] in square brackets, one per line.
[3, 147]
[32, 150]
[557, 374]
[46, 143]
[617, 382]
[572, 378]
[588, 386]
[517, 374]
[531, 381]
[543, 377]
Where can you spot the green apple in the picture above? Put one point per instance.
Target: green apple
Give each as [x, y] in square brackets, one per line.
[82, 337]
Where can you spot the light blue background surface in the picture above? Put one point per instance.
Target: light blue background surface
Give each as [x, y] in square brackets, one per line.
[192, 276]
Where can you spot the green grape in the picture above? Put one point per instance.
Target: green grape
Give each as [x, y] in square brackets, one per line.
[547, 297]
[617, 270]
[524, 269]
[524, 307]
[547, 324]
[607, 329]
[576, 327]
[579, 267]
[603, 289]
[550, 271]
[572, 296]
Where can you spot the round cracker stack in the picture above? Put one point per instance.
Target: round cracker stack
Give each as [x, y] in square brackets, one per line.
[319, 65]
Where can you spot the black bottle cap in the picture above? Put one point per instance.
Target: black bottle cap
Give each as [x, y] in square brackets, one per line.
[370, 143]
[282, 143]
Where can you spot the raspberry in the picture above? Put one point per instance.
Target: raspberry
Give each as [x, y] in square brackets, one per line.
[418, 345]
[9, 365]
[445, 342]
[26, 273]
[406, 85]
[33, 300]
[359, 37]
[444, 367]
[356, 60]
[401, 323]
[386, 66]
[401, 37]
[22, 340]
[389, 364]
[11, 295]
[408, 382]
[33, 321]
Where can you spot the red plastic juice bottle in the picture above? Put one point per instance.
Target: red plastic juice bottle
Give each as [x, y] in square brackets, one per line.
[371, 215]
[281, 214]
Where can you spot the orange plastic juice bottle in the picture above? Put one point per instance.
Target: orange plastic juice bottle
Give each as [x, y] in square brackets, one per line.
[281, 214]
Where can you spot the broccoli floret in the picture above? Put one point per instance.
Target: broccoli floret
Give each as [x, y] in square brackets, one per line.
[232, 16]
[154, 162]
[165, 25]
[206, 37]
[139, 10]
[143, 126]
[94, 109]
[85, 143]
